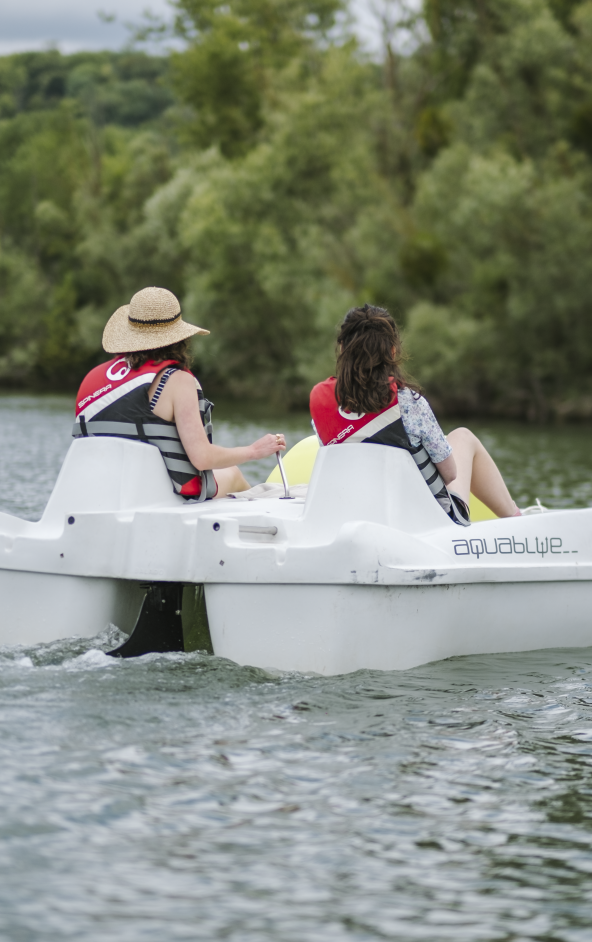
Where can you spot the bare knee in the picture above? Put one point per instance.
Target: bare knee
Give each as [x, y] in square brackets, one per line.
[462, 432]
[240, 482]
[230, 480]
[464, 436]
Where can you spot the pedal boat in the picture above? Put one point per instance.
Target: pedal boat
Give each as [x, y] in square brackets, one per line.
[365, 572]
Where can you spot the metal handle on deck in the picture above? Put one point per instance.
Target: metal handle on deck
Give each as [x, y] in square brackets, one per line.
[284, 478]
[264, 531]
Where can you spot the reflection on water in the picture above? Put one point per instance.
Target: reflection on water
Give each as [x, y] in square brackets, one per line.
[182, 797]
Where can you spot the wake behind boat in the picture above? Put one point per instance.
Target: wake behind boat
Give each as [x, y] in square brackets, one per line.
[367, 571]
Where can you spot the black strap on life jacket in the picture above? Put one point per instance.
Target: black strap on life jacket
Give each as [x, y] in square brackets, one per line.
[451, 504]
[161, 384]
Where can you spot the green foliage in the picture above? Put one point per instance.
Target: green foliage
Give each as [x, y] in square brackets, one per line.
[519, 270]
[423, 260]
[509, 200]
[235, 52]
[272, 176]
[115, 88]
[432, 130]
[275, 243]
[68, 182]
[23, 304]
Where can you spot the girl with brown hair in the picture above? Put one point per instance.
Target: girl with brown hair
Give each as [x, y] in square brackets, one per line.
[370, 400]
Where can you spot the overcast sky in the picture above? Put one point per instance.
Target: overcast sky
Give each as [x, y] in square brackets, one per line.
[75, 24]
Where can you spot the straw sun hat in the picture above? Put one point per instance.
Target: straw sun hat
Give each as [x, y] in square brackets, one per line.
[151, 320]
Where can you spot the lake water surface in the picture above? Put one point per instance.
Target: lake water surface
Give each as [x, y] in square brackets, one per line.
[182, 797]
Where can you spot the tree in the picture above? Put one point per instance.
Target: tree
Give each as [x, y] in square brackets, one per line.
[233, 53]
[506, 209]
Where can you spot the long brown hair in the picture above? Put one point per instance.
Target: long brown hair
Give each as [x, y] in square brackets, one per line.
[175, 351]
[369, 356]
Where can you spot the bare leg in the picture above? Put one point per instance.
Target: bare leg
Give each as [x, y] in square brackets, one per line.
[230, 480]
[477, 473]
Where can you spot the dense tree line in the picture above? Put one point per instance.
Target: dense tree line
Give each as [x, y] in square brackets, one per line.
[273, 175]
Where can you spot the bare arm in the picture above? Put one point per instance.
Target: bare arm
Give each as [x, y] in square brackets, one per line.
[447, 469]
[203, 455]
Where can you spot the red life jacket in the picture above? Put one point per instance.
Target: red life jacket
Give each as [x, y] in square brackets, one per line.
[109, 381]
[335, 426]
[113, 401]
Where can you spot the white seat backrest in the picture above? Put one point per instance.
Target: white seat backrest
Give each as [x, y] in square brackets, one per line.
[110, 474]
[376, 483]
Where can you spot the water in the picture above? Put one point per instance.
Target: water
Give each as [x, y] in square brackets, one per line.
[182, 797]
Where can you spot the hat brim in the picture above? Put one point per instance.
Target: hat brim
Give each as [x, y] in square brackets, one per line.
[121, 336]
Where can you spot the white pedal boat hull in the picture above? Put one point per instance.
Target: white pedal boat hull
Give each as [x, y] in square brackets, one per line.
[368, 572]
[339, 629]
[39, 607]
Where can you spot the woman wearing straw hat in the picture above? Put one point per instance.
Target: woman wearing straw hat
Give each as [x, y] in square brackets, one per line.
[148, 393]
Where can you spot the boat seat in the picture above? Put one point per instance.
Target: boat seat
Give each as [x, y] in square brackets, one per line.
[110, 474]
[373, 483]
